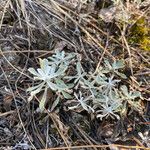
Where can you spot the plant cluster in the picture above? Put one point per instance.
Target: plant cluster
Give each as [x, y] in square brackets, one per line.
[51, 76]
[101, 93]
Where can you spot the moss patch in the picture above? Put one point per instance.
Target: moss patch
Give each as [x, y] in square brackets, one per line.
[139, 34]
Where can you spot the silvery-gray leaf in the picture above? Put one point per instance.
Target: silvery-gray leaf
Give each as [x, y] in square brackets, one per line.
[60, 58]
[100, 80]
[115, 106]
[55, 103]
[135, 94]
[42, 74]
[70, 56]
[52, 86]
[118, 64]
[66, 95]
[90, 109]
[121, 75]
[88, 83]
[107, 111]
[117, 116]
[114, 95]
[80, 73]
[61, 70]
[33, 93]
[73, 107]
[47, 70]
[35, 87]
[70, 85]
[52, 71]
[101, 116]
[43, 63]
[84, 105]
[79, 68]
[101, 72]
[105, 70]
[33, 71]
[124, 90]
[107, 64]
[98, 101]
[61, 84]
[43, 100]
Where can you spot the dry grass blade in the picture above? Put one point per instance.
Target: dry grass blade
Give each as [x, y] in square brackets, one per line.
[82, 28]
[22, 7]
[6, 113]
[17, 109]
[4, 11]
[13, 65]
[101, 146]
[59, 130]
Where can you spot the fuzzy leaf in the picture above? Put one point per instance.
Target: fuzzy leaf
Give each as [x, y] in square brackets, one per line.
[124, 90]
[35, 90]
[118, 64]
[121, 75]
[52, 86]
[66, 95]
[55, 103]
[43, 100]
[33, 71]
[43, 64]
[135, 94]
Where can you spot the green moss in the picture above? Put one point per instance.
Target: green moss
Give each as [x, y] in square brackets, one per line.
[139, 34]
